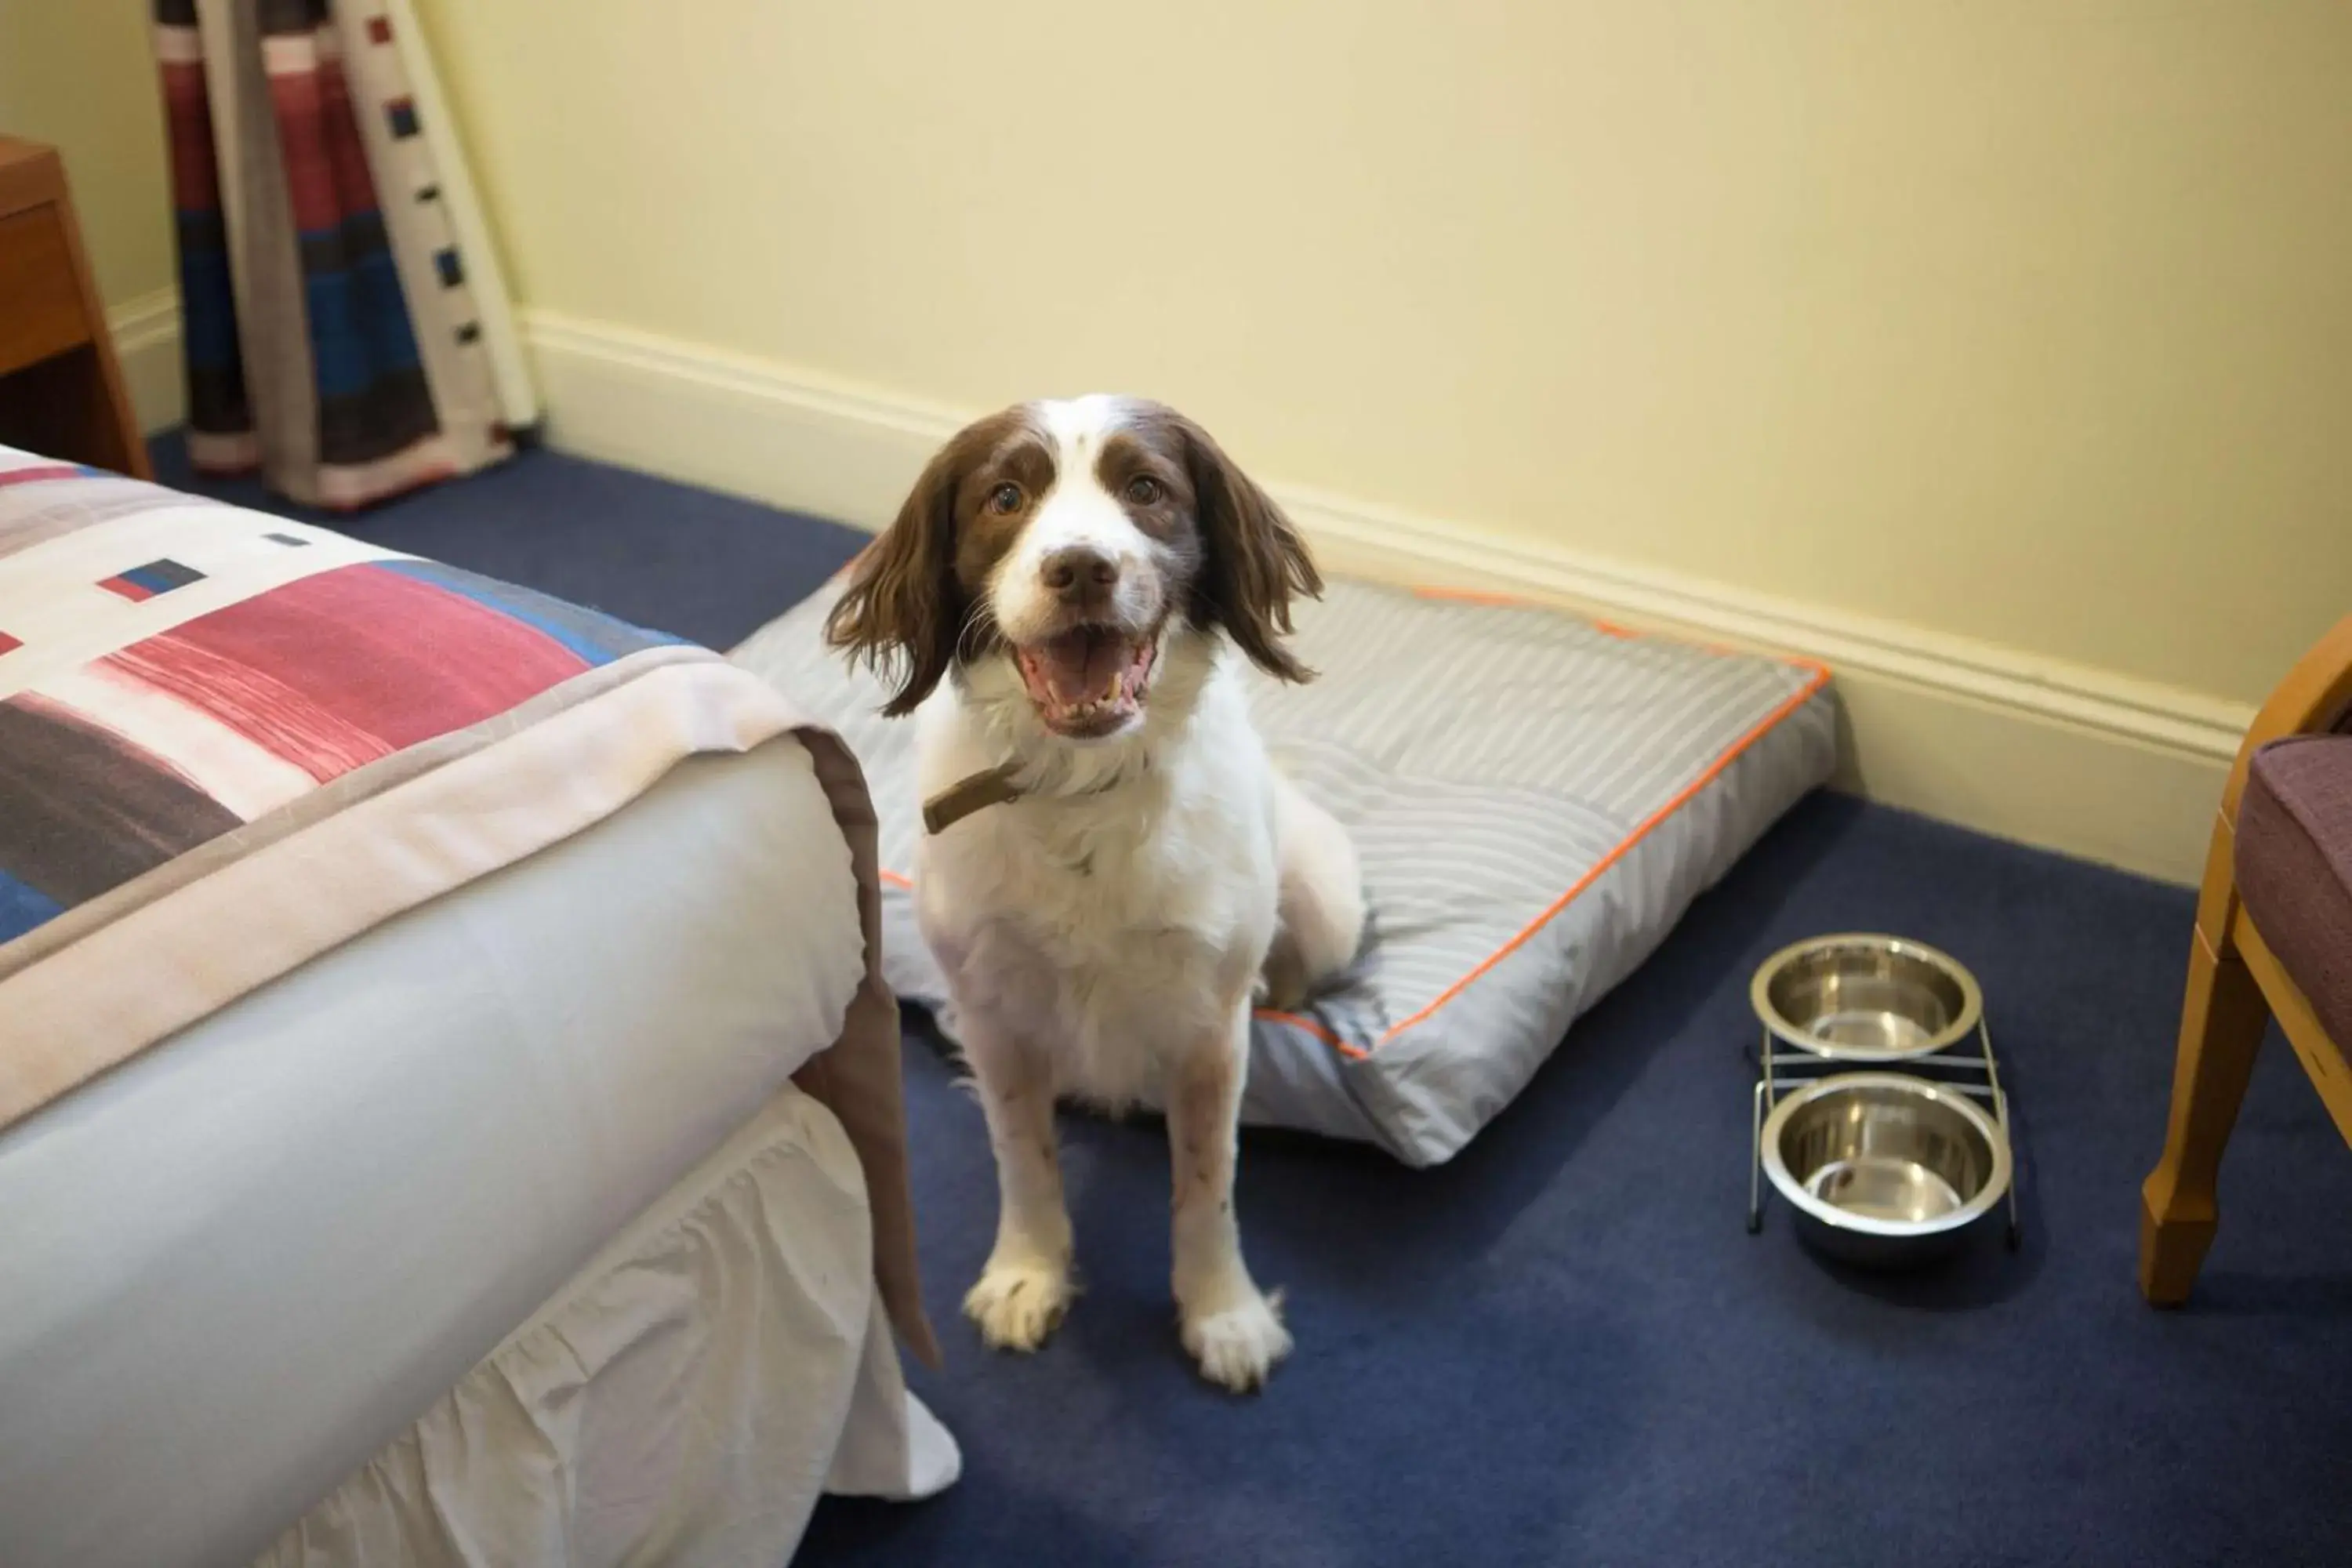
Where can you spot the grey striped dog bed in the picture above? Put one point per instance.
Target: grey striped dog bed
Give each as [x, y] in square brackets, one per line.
[1535, 799]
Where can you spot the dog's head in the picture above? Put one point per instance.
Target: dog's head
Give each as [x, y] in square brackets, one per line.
[1073, 546]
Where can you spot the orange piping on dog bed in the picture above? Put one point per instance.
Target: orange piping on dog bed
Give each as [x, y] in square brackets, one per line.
[1354, 1053]
[1821, 676]
[1494, 599]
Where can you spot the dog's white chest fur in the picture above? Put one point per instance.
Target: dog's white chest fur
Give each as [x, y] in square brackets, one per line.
[1112, 918]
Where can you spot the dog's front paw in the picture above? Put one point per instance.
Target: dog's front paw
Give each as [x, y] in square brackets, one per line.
[1237, 1347]
[1017, 1304]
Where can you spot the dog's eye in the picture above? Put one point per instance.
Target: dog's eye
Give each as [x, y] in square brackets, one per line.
[1005, 499]
[1145, 490]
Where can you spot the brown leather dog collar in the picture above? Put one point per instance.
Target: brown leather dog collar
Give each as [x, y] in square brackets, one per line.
[994, 786]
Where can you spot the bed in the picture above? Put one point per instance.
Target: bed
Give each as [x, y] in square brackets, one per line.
[483, 1149]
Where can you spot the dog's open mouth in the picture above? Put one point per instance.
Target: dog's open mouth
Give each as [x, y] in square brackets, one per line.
[1089, 681]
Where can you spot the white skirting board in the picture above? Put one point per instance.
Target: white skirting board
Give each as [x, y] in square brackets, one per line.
[2056, 755]
[146, 333]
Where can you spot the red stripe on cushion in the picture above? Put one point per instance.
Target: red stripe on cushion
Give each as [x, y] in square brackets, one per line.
[389, 655]
[134, 592]
[282, 720]
[39, 471]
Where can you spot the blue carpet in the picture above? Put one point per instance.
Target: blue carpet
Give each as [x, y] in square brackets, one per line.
[1563, 1347]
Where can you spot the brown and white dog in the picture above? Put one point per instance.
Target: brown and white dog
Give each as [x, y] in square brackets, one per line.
[1115, 869]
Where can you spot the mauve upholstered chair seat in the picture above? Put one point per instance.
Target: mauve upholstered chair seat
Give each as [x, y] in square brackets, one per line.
[2294, 867]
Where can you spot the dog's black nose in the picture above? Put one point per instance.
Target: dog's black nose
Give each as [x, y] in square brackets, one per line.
[1080, 572]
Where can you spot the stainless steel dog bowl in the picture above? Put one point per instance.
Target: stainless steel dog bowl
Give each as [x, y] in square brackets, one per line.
[1884, 1169]
[1866, 998]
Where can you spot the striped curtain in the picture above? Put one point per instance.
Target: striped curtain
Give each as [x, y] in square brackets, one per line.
[344, 326]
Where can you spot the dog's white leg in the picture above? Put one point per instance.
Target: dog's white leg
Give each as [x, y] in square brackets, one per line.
[1025, 1288]
[1232, 1329]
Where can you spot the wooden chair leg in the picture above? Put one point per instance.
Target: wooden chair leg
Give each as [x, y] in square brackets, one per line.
[2221, 1025]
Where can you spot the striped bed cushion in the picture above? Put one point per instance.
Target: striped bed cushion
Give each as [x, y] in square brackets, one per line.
[1537, 799]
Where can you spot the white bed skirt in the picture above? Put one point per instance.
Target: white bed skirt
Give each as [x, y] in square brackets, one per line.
[682, 1400]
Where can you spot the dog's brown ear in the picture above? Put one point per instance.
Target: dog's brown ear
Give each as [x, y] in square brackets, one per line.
[1254, 559]
[901, 613]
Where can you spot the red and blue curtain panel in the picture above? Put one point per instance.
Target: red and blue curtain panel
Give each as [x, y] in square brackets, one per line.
[334, 337]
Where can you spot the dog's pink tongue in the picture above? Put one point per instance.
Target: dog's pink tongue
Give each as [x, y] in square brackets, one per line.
[1079, 665]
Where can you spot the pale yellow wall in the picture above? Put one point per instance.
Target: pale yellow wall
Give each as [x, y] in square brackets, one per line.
[78, 74]
[2029, 321]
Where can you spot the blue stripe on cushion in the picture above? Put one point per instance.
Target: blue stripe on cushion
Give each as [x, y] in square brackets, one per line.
[595, 636]
[162, 576]
[23, 907]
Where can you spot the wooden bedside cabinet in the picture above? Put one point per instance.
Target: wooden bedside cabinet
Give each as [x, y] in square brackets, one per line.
[60, 390]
